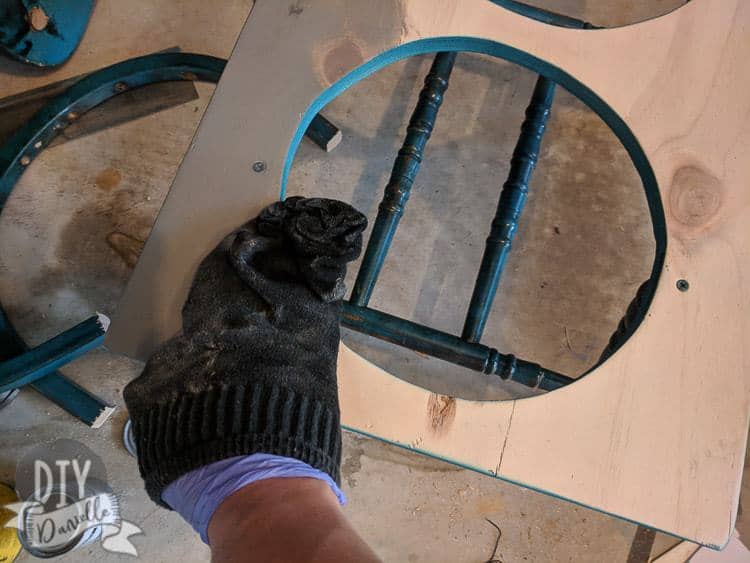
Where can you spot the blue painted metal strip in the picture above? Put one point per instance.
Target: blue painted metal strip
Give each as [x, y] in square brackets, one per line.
[43, 360]
[405, 169]
[509, 208]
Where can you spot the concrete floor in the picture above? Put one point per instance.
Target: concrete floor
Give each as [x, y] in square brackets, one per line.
[583, 247]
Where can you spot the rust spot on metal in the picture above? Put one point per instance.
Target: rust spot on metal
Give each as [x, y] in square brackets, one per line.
[72, 116]
[441, 412]
[38, 19]
[695, 196]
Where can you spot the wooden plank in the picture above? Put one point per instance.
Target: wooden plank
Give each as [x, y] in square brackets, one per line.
[680, 553]
[657, 433]
[324, 133]
[734, 552]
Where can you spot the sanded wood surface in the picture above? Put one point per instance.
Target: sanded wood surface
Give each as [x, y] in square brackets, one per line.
[657, 433]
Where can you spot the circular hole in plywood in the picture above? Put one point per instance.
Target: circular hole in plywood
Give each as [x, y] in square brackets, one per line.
[612, 13]
[585, 240]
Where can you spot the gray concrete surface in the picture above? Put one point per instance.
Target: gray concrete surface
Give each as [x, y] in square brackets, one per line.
[583, 247]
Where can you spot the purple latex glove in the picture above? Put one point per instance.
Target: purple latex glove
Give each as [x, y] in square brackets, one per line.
[197, 495]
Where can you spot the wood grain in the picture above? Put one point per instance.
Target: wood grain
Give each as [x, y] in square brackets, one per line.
[657, 433]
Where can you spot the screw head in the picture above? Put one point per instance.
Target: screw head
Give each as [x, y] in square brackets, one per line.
[683, 285]
[259, 166]
[121, 87]
[25, 160]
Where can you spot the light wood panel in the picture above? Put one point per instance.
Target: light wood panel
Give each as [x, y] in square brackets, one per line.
[656, 434]
[680, 553]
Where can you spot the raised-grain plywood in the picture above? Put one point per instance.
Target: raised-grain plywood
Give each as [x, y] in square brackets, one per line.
[657, 433]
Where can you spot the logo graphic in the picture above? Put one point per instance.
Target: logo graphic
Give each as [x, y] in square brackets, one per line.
[66, 502]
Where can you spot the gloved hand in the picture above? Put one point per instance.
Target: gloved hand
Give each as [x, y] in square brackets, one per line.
[254, 368]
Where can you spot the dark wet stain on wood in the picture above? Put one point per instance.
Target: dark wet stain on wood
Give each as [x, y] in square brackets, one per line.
[441, 411]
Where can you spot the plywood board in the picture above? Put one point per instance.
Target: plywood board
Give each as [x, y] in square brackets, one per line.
[680, 553]
[657, 433]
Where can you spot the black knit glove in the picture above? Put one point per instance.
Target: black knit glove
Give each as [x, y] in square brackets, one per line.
[254, 369]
